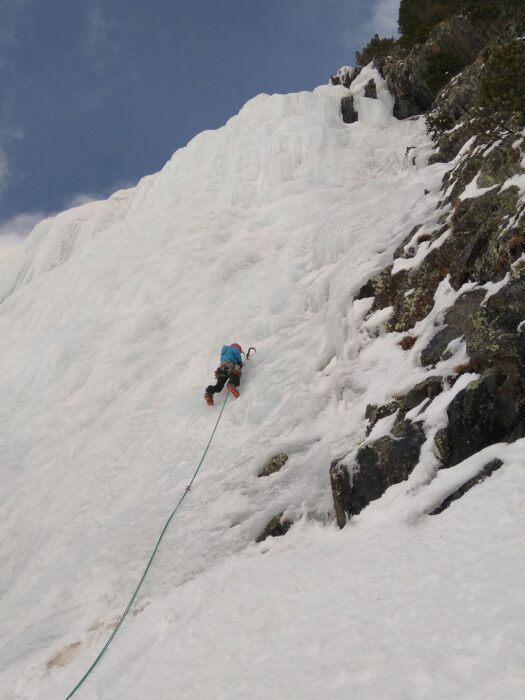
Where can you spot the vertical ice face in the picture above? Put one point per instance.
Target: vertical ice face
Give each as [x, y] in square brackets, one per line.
[374, 111]
[112, 317]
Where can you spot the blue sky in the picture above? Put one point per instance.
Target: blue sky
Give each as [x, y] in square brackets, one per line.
[97, 93]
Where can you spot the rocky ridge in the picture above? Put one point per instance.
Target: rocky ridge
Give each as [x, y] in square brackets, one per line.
[476, 247]
[473, 247]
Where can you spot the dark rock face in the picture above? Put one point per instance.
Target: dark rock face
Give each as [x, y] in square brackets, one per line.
[274, 464]
[499, 164]
[382, 463]
[375, 413]
[371, 90]
[340, 482]
[454, 322]
[344, 76]
[492, 334]
[486, 236]
[408, 78]
[427, 389]
[385, 461]
[451, 142]
[407, 82]
[276, 527]
[478, 237]
[411, 292]
[487, 471]
[489, 410]
[461, 94]
[441, 443]
[348, 110]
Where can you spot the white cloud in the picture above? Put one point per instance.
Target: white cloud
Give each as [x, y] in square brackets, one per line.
[15, 230]
[77, 200]
[99, 45]
[383, 15]
[384, 18]
[10, 11]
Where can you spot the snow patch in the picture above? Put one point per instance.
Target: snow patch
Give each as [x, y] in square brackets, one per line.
[472, 191]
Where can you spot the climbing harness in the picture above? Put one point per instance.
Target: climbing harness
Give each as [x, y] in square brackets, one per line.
[144, 574]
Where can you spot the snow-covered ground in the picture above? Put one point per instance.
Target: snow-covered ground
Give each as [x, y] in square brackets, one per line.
[112, 318]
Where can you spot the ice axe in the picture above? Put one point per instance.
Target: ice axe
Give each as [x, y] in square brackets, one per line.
[249, 351]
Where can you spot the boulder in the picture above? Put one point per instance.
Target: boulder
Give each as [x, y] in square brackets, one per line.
[275, 464]
[375, 413]
[429, 388]
[340, 483]
[454, 326]
[276, 527]
[490, 409]
[382, 463]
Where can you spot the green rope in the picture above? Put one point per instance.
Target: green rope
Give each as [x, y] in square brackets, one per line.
[137, 589]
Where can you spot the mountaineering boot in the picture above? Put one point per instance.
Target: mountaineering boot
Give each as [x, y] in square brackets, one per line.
[209, 399]
[233, 390]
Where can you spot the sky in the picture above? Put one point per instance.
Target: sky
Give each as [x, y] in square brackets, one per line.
[95, 94]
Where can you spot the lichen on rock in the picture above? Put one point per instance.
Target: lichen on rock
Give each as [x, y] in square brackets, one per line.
[276, 527]
[273, 465]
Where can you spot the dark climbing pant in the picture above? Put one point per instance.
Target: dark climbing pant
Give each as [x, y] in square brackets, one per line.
[227, 372]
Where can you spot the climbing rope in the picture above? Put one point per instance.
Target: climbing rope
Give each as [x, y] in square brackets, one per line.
[145, 573]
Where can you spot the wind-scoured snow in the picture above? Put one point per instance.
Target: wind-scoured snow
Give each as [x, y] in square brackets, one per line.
[112, 319]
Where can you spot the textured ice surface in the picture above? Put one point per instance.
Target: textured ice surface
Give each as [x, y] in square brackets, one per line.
[112, 318]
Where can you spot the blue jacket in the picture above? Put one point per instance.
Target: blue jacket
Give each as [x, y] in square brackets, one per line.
[229, 354]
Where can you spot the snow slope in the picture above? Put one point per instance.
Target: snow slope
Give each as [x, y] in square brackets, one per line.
[112, 317]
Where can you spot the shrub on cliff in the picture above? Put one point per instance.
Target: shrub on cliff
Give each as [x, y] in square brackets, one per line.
[376, 48]
[437, 123]
[481, 10]
[442, 67]
[417, 17]
[489, 11]
[502, 91]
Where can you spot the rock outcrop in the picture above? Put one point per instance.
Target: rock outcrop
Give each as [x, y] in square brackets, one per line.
[276, 527]
[341, 490]
[410, 77]
[275, 464]
[348, 110]
[476, 245]
[384, 462]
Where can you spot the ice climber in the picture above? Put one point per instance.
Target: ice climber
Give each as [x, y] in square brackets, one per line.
[228, 370]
